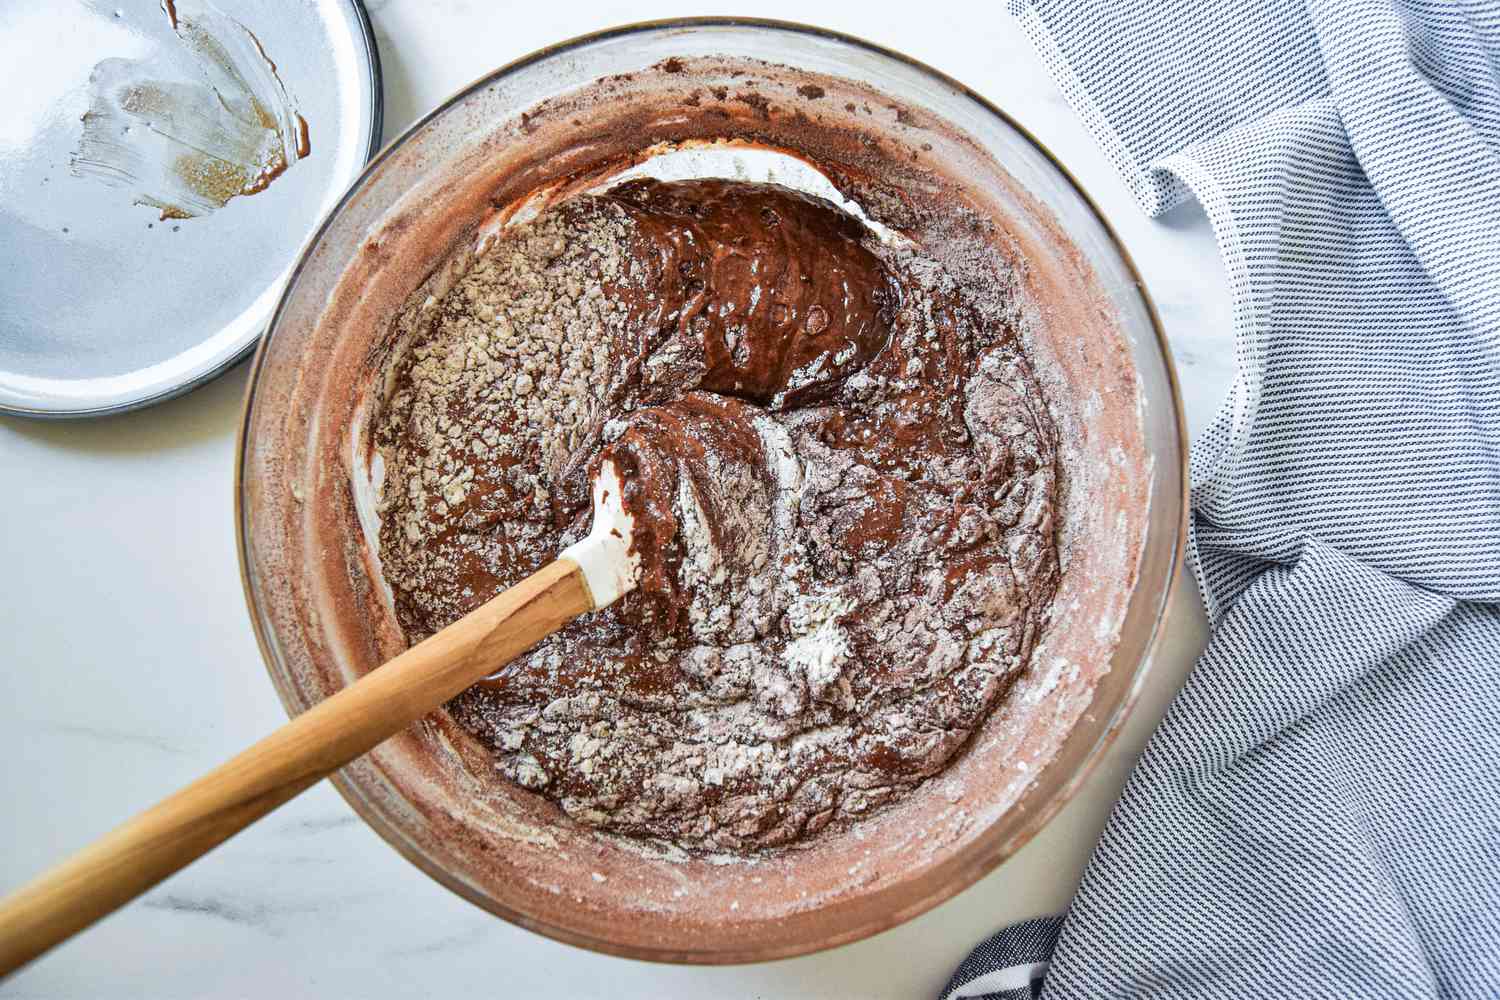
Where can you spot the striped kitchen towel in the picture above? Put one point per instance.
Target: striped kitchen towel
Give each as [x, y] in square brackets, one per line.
[1319, 813]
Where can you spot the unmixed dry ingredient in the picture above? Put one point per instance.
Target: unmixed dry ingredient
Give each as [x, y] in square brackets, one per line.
[844, 477]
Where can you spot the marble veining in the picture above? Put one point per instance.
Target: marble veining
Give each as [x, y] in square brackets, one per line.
[247, 914]
[115, 738]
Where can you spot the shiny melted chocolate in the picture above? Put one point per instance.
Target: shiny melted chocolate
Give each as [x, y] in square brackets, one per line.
[771, 295]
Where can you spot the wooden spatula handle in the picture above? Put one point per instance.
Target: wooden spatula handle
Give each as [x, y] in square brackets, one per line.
[135, 856]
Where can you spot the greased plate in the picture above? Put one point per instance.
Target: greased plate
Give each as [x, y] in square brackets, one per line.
[104, 305]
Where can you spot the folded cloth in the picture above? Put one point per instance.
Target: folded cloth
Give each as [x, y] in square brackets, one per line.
[1319, 813]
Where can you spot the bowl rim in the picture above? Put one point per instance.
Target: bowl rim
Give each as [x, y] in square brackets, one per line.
[978, 867]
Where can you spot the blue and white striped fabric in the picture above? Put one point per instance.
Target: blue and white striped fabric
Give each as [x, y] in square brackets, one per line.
[1319, 813]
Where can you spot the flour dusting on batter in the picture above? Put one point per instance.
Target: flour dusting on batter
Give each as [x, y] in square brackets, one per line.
[844, 474]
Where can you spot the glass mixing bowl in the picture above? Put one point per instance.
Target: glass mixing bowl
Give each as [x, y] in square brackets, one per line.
[889, 132]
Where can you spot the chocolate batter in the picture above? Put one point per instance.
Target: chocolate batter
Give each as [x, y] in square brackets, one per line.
[843, 475]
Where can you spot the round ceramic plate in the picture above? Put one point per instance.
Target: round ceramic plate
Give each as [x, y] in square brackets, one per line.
[161, 164]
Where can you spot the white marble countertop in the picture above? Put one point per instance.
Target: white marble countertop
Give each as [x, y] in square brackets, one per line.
[131, 668]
